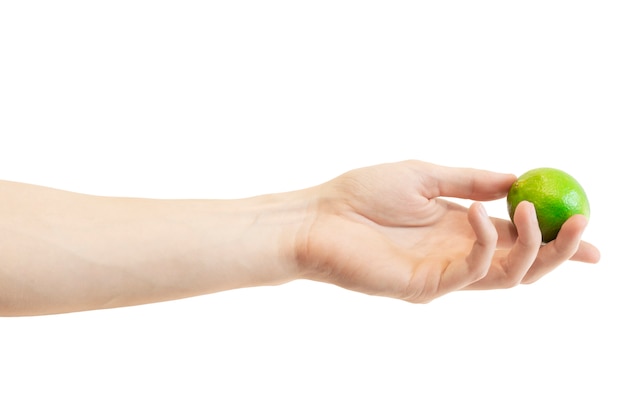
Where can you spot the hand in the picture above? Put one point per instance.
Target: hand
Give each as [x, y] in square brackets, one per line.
[384, 230]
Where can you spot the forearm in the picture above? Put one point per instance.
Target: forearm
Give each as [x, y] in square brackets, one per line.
[62, 251]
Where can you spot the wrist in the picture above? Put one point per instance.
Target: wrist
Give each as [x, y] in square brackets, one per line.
[265, 233]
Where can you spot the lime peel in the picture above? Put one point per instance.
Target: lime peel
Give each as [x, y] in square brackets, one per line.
[556, 195]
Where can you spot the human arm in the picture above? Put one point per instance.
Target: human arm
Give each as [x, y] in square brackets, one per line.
[62, 251]
[382, 230]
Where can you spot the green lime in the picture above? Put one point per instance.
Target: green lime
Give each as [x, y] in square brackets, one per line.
[556, 195]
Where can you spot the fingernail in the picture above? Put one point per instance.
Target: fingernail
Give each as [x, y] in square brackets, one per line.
[481, 210]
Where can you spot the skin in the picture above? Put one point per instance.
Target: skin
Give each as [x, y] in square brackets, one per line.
[383, 230]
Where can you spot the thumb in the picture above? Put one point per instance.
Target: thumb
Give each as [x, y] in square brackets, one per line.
[468, 183]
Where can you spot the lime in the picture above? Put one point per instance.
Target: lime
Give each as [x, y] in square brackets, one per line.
[556, 195]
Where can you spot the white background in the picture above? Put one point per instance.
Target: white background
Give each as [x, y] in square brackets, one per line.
[230, 99]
